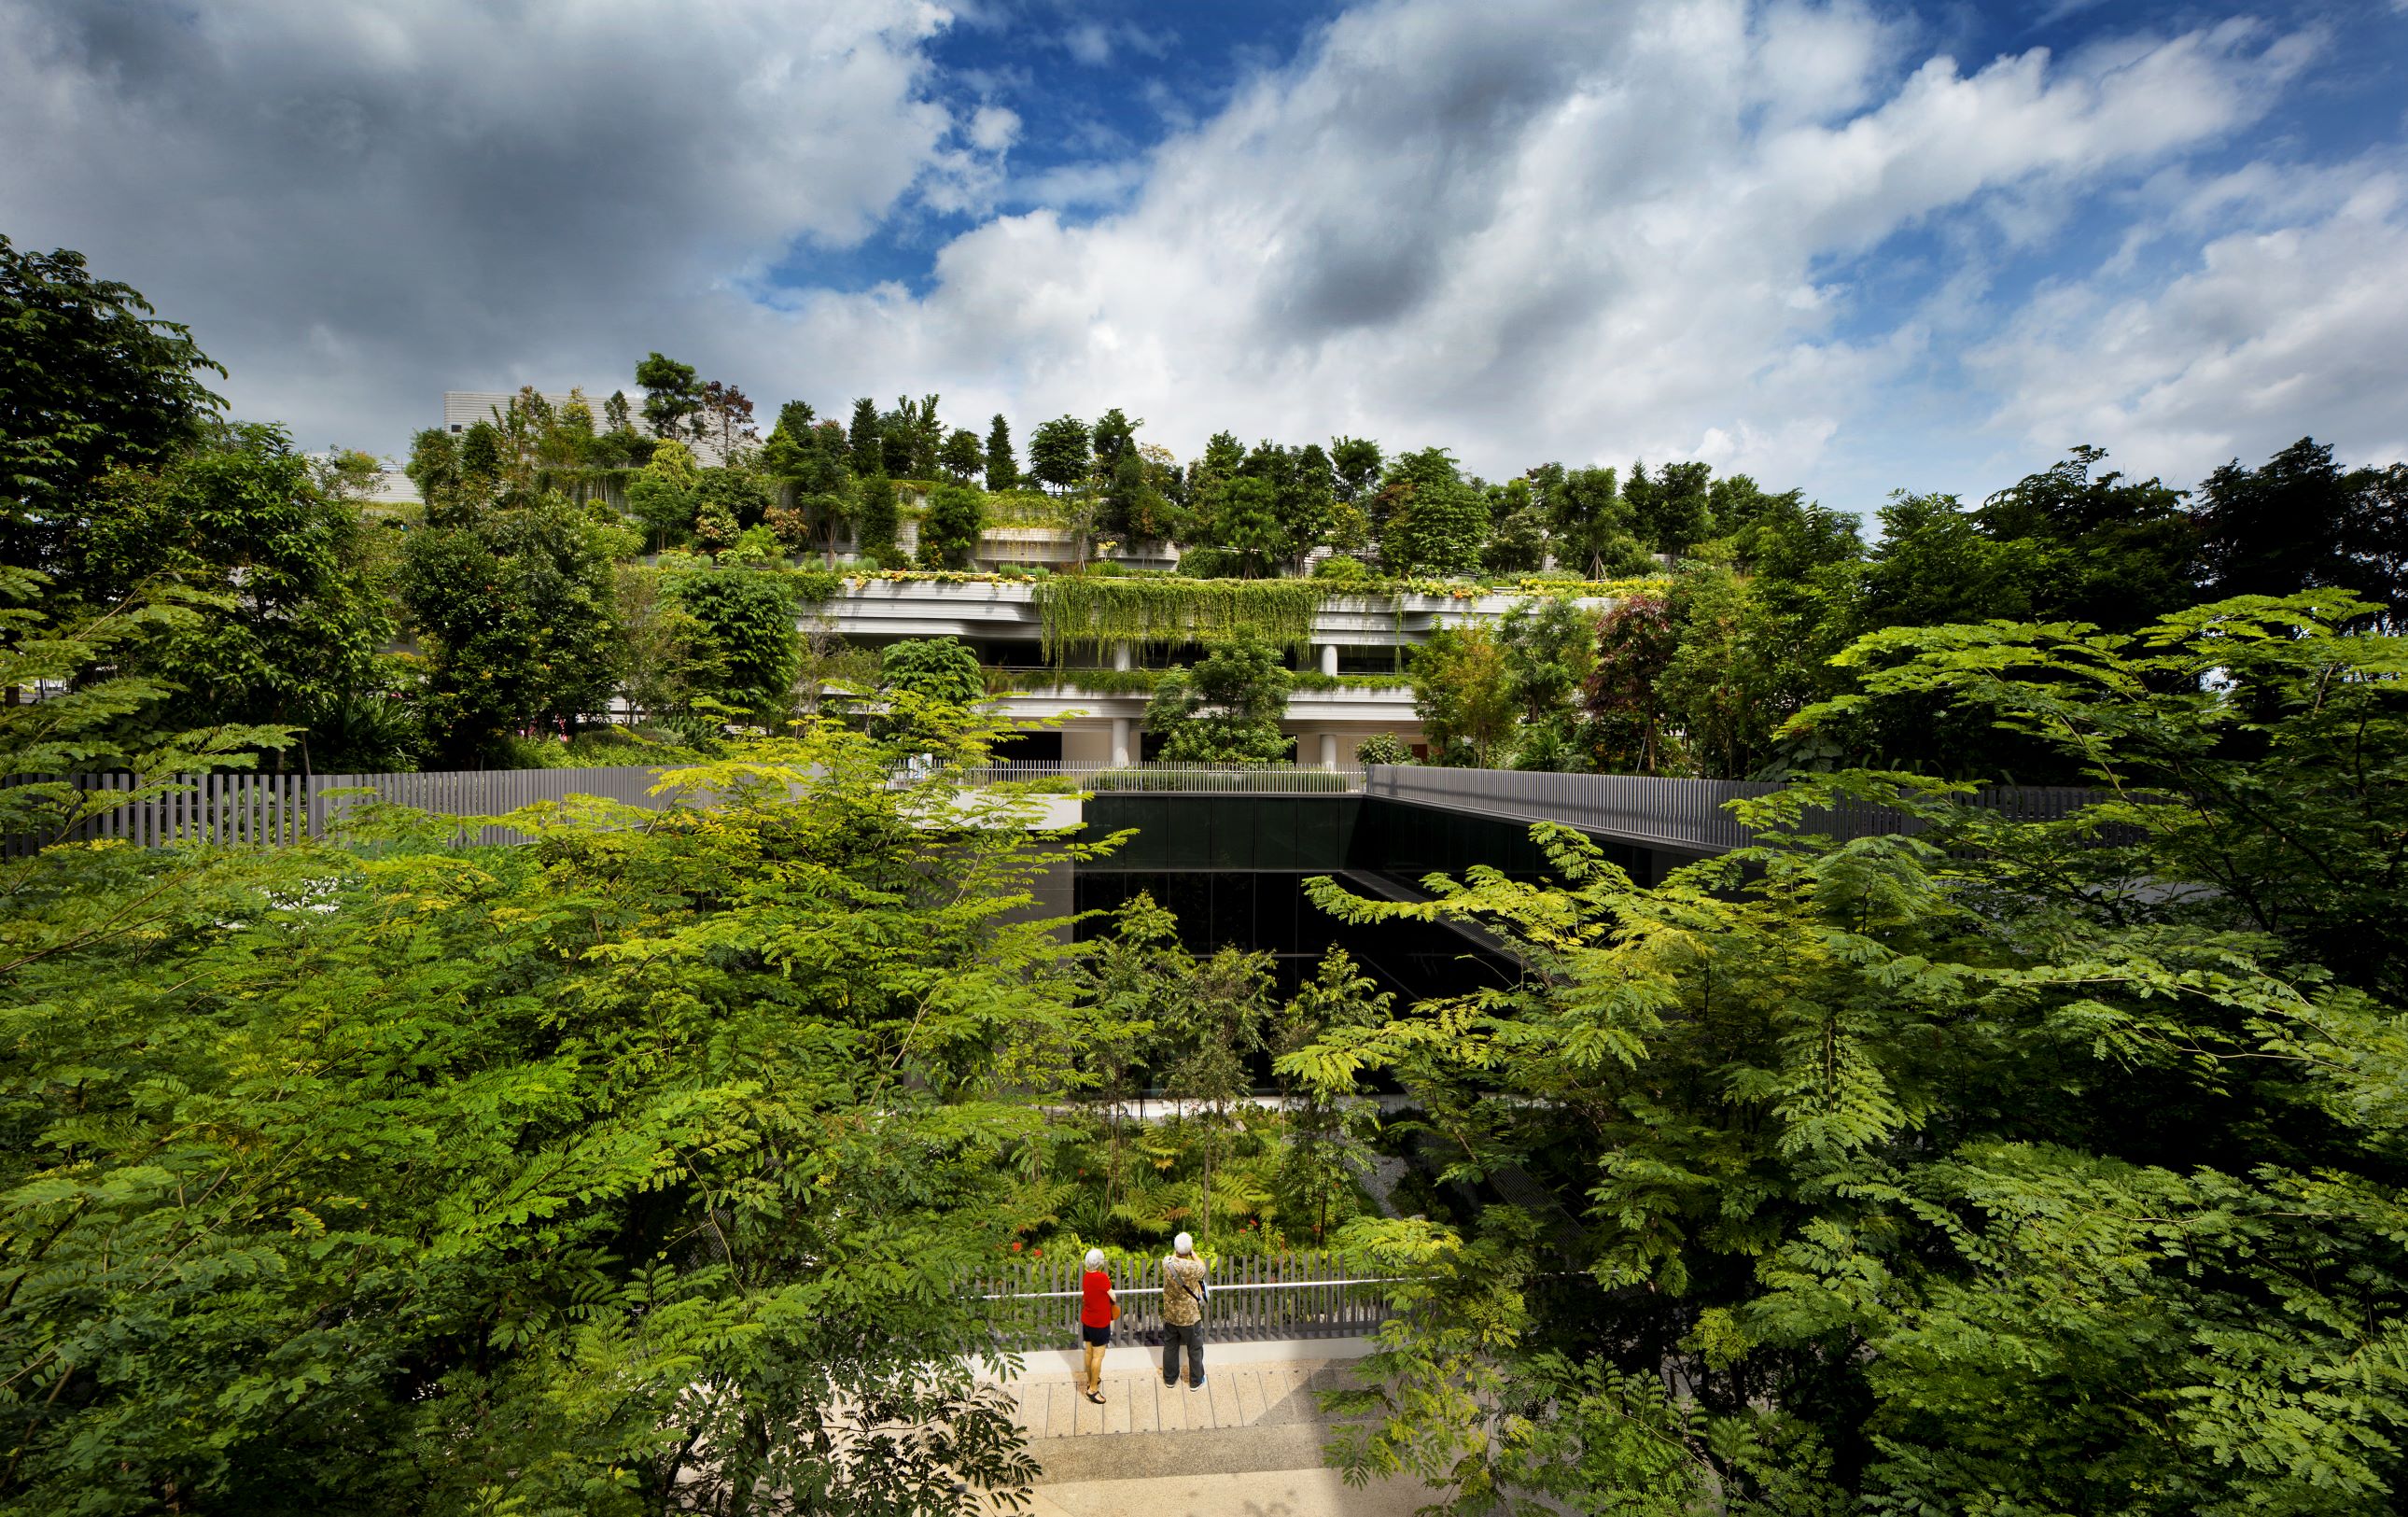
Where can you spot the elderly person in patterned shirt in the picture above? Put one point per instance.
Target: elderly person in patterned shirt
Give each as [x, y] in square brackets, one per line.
[1183, 1294]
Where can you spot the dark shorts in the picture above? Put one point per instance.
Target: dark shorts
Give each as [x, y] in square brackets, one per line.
[1098, 1336]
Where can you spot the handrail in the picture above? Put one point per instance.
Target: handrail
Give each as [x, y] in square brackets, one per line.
[1662, 812]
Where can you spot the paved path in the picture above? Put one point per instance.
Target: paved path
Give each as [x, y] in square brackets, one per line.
[1248, 1444]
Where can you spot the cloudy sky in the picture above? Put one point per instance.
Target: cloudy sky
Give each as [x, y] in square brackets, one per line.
[1849, 247]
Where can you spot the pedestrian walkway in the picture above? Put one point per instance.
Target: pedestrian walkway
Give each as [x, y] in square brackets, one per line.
[1248, 1443]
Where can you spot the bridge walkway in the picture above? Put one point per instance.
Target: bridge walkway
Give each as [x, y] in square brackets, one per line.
[1249, 1443]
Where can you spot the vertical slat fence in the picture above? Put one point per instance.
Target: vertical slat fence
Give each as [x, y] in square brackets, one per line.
[270, 810]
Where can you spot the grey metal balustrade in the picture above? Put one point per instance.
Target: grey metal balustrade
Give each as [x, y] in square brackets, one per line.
[1656, 811]
[1304, 1295]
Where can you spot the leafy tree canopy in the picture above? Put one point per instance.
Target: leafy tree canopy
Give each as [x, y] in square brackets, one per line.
[1226, 709]
[90, 379]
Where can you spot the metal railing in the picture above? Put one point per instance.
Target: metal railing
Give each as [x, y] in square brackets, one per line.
[1305, 1295]
[1177, 779]
[286, 808]
[1678, 814]
[1684, 814]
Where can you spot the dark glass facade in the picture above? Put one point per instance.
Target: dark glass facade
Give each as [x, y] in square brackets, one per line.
[1232, 868]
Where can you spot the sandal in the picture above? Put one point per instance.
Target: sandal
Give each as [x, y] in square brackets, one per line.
[1096, 1396]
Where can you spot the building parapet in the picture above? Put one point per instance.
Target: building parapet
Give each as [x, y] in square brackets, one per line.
[1007, 609]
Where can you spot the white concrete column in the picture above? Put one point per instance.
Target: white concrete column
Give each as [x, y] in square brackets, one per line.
[1329, 659]
[1329, 750]
[1120, 656]
[1120, 742]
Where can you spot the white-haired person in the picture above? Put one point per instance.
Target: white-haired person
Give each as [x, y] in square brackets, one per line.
[1183, 1294]
[1100, 1306]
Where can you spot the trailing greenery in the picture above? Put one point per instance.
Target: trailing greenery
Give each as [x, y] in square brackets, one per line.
[1025, 508]
[1141, 681]
[1081, 613]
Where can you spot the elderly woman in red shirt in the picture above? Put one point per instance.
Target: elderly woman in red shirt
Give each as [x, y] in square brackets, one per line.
[1098, 1307]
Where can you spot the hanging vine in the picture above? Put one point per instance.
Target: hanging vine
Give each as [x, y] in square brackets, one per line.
[1091, 613]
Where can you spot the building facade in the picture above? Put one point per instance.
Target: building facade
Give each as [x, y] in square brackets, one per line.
[1352, 685]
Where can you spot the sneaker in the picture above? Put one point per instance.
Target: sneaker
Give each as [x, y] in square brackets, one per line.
[1195, 1384]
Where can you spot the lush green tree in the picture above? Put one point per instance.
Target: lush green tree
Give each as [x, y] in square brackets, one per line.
[1134, 980]
[910, 438]
[1224, 710]
[1309, 503]
[103, 720]
[672, 396]
[567, 1176]
[666, 657]
[811, 462]
[434, 469]
[516, 610]
[91, 380]
[745, 635]
[728, 502]
[2009, 1167]
[1434, 523]
[1517, 530]
[1732, 682]
[1133, 506]
[876, 519]
[1058, 453]
[1223, 456]
[1934, 564]
[2099, 547]
[2300, 522]
[937, 669]
[1002, 469]
[1241, 528]
[1280, 523]
[1383, 748]
[621, 443]
[1203, 1052]
[725, 418]
[485, 462]
[295, 617]
[866, 440]
[664, 494]
[963, 458]
[1355, 468]
[1550, 651]
[949, 535]
[1591, 523]
[1669, 513]
[1462, 696]
[796, 419]
[929, 686]
[1328, 1149]
[1116, 438]
[1630, 730]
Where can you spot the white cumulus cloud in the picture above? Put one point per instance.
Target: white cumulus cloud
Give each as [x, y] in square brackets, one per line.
[1774, 236]
[2279, 328]
[1545, 231]
[357, 205]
